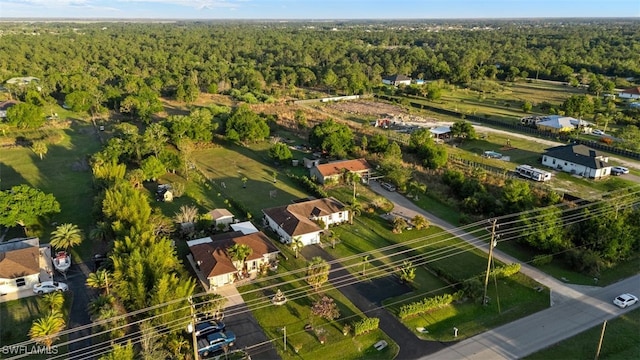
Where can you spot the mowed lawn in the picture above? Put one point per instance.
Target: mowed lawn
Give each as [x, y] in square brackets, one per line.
[224, 168]
[63, 172]
[296, 313]
[17, 316]
[621, 341]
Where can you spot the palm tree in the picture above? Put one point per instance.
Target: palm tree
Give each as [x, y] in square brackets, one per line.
[99, 280]
[102, 232]
[40, 148]
[297, 244]
[353, 178]
[45, 330]
[239, 253]
[187, 214]
[100, 303]
[54, 301]
[66, 236]
[355, 209]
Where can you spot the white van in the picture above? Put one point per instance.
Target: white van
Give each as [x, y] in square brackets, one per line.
[388, 187]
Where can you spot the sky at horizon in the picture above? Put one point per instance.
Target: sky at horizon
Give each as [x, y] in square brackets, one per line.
[318, 9]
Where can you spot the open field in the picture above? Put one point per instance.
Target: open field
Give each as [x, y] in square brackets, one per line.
[620, 342]
[64, 172]
[224, 168]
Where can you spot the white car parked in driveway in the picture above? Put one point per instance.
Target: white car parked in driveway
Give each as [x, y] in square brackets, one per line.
[598, 132]
[619, 170]
[46, 287]
[625, 300]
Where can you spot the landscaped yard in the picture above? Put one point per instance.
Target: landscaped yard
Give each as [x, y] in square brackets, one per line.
[296, 313]
[621, 341]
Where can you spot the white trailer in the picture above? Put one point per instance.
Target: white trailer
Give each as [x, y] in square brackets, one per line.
[532, 173]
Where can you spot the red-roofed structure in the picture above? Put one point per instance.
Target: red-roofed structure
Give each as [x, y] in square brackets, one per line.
[334, 170]
[213, 261]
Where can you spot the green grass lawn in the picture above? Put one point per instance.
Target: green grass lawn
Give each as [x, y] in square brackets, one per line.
[296, 313]
[63, 172]
[17, 316]
[621, 341]
[436, 250]
[226, 166]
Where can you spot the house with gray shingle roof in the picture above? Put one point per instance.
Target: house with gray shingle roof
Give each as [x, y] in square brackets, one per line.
[302, 219]
[578, 159]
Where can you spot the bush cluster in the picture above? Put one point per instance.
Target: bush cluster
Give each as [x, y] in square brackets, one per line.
[310, 186]
[428, 304]
[365, 325]
[506, 271]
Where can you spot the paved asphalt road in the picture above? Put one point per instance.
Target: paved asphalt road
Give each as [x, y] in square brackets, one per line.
[574, 308]
[545, 328]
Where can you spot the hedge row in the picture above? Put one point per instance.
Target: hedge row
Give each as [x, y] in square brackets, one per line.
[365, 325]
[310, 186]
[506, 271]
[428, 304]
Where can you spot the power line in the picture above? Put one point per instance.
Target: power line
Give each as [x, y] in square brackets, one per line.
[383, 270]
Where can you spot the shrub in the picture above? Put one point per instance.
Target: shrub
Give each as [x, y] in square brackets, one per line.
[309, 185]
[365, 325]
[506, 271]
[428, 304]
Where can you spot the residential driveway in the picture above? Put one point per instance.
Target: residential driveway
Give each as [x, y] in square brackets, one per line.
[79, 314]
[249, 334]
[358, 293]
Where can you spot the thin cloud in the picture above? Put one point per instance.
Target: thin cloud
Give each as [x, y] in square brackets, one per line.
[198, 4]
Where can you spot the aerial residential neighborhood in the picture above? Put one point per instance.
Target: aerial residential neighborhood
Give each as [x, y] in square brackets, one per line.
[228, 181]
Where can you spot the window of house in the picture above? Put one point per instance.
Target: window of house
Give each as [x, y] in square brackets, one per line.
[554, 161]
[20, 282]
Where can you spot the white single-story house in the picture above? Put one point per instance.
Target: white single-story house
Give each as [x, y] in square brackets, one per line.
[335, 169]
[19, 265]
[221, 216]
[212, 260]
[631, 93]
[300, 220]
[396, 80]
[578, 159]
[557, 124]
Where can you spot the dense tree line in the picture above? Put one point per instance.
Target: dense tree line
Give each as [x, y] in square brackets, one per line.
[126, 66]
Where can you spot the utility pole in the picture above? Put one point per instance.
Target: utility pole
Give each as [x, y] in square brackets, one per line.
[604, 326]
[492, 244]
[284, 329]
[193, 329]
